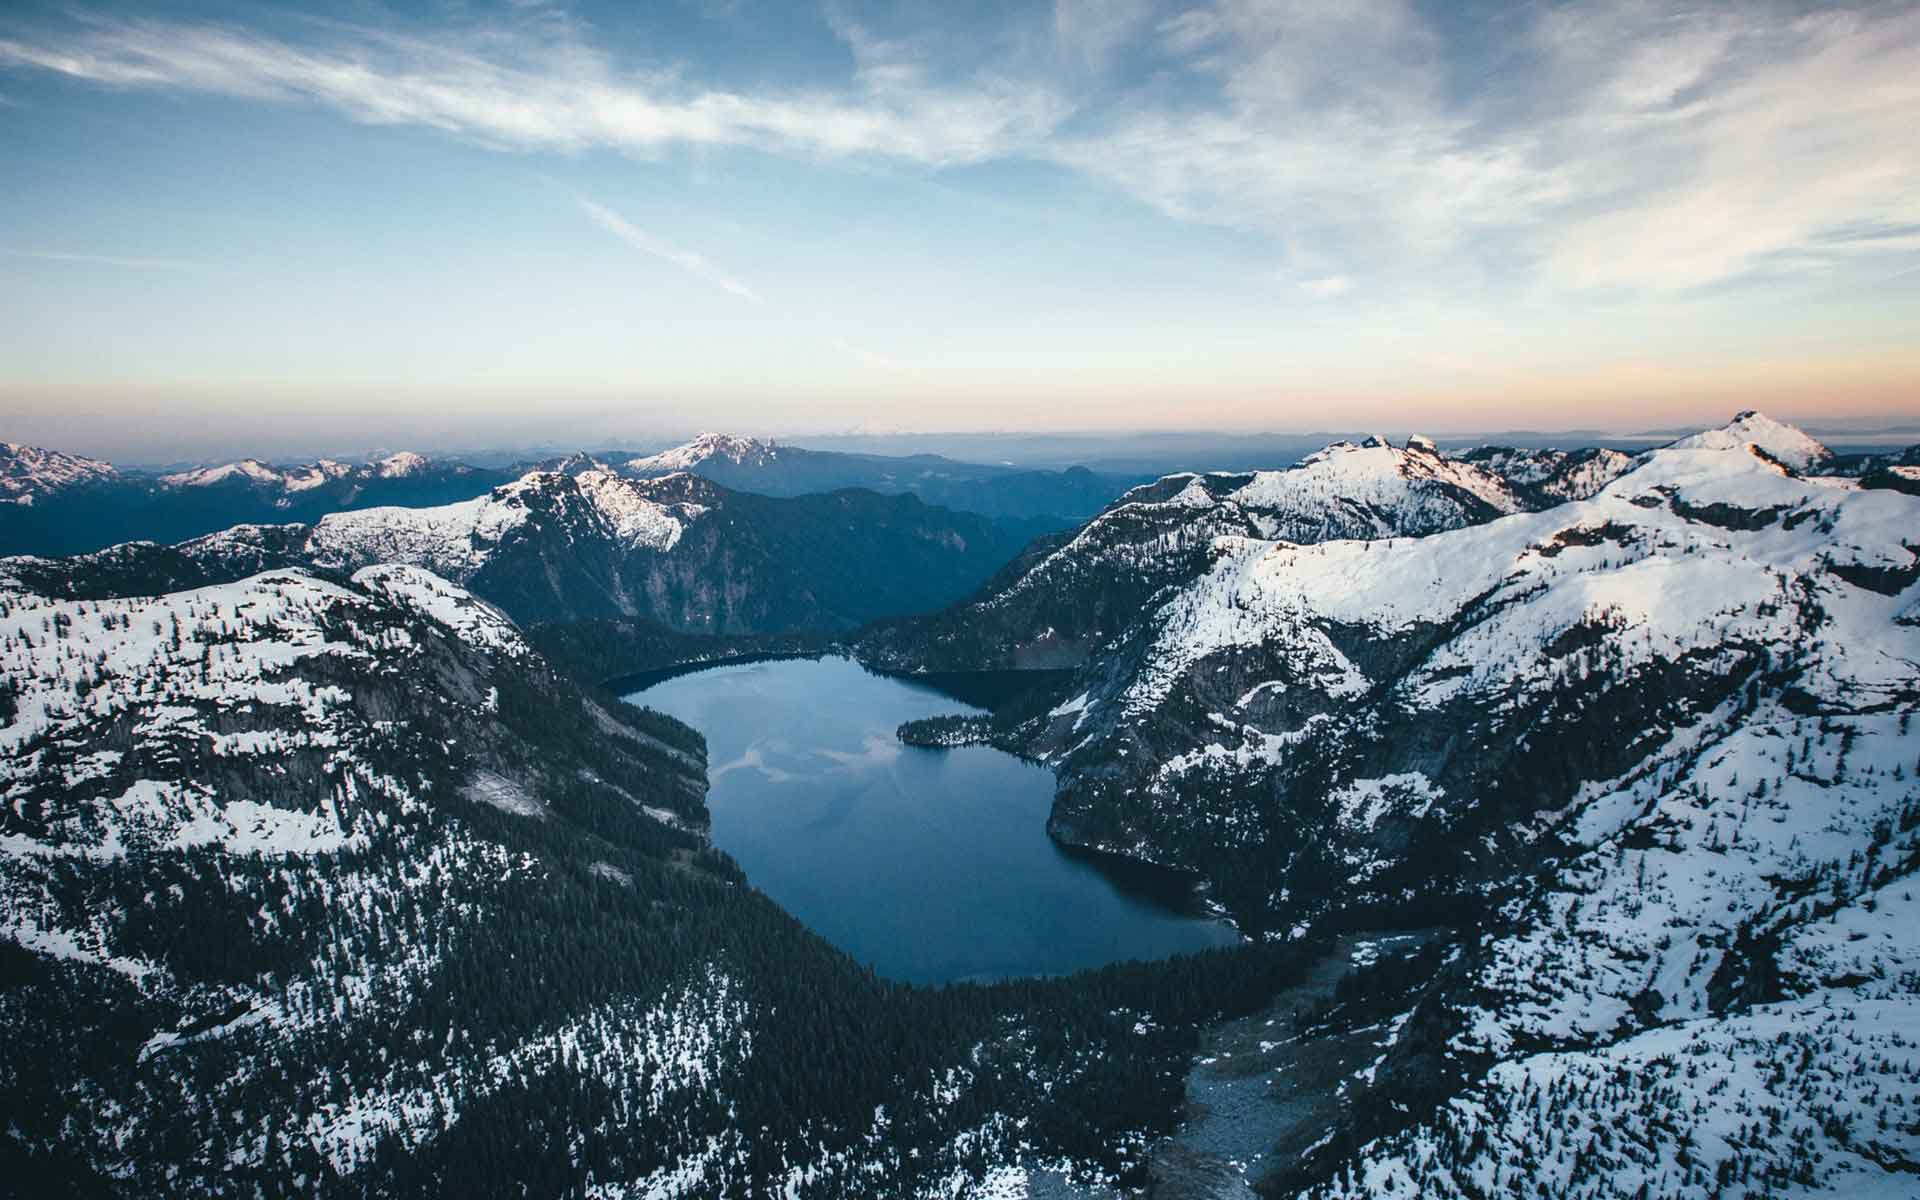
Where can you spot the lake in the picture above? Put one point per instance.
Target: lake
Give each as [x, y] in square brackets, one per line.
[930, 865]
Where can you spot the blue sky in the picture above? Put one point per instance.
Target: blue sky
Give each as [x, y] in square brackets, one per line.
[461, 222]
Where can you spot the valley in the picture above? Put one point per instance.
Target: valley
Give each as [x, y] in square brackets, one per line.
[1516, 773]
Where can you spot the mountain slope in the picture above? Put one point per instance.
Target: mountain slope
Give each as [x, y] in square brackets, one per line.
[247, 831]
[1546, 476]
[1369, 706]
[1653, 753]
[1064, 601]
[684, 551]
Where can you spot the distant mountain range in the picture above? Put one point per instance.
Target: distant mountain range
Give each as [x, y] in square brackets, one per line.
[57, 503]
[550, 546]
[1067, 496]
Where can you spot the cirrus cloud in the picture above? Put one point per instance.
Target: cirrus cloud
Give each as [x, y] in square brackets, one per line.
[1624, 148]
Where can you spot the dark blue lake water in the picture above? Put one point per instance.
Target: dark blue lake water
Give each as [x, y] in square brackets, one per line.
[931, 865]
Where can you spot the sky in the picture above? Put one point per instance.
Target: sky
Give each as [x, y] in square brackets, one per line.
[271, 228]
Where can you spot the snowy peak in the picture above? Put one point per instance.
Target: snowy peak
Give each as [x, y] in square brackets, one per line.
[1378, 489]
[404, 465]
[458, 540]
[29, 472]
[1779, 441]
[740, 451]
[247, 468]
[400, 465]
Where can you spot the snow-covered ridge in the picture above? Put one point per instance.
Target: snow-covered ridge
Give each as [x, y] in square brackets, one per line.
[72, 661]
[1402, 489]
[1780, 441]
[246, 468]
[164, 662]
[301, 478]
[467, 616]
[1678, 572]
[30, 472]
[1346, 490]
[706, 447]
[638, 521]
[451, 539]
[1552, 475]
[456, 540]
[400, 465]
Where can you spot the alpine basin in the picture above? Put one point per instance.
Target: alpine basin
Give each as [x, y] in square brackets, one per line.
[929, 865]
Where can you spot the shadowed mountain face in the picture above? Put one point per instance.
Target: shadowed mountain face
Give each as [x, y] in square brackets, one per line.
[679, 550]
[1063, 497]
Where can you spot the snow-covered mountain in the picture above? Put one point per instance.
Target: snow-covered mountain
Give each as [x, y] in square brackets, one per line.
[333, 887]
[1062, 602]
[1655, 749]
[1446, 665]
[401, 465]
[1783, 443]
[70, 505]
[1548, 476]
[705, 449]
[552, 546]
[30, 475]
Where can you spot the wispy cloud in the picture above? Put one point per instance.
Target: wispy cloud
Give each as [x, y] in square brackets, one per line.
[103, 260]
[1623, 147]
[698, 265]
[687, 260]
[536, 88]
